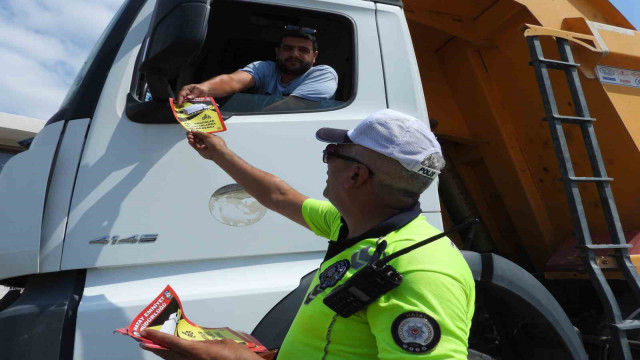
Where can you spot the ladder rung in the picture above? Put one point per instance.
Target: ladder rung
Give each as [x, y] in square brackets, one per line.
[590, 179]
[555, 64]
[604, 246]
[628, 325]
[568, 119]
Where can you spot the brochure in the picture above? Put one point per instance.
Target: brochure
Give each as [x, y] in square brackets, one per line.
[165, 314]
[200, 114]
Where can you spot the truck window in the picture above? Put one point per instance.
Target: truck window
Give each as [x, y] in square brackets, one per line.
[242, 33]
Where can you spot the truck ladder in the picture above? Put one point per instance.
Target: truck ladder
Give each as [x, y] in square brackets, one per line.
[617, 325]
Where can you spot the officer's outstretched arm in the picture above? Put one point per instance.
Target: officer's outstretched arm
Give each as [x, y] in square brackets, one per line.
[269, 190]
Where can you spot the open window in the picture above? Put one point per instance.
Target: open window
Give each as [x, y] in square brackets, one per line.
[237, 33]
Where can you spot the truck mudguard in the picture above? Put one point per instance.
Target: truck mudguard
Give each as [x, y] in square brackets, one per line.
[40, 324]
[493, 275]
[274, 326]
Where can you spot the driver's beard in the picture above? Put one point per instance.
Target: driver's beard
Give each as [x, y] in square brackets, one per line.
[282, 67]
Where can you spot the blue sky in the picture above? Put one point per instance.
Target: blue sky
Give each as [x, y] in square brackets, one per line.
[43, 44]
[630, 9]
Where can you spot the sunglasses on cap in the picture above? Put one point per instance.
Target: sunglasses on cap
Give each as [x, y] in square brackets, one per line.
[330, 151]
[305, 30]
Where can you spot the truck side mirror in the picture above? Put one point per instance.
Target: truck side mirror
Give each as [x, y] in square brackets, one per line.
[177, 32]
[176, 35]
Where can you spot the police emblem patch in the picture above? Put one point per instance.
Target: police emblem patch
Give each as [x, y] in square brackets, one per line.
[415, 332]
[331, 275]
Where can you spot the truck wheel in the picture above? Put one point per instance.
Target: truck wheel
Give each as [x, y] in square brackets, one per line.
[516, 316]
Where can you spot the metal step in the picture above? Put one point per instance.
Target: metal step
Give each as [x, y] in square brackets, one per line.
[589, 179]
[569, 119]
[604, 246]
[554, 64]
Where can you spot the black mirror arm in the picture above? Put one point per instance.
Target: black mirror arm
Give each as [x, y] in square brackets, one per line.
[159, 86]
[155, 111]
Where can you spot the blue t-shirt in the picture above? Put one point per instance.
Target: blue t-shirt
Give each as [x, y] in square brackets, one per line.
[318, 83]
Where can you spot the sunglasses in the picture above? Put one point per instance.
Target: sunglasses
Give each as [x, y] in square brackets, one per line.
[305, 30]
[330, 151]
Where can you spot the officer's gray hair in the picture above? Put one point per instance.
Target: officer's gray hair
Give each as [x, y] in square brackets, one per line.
[394, 183]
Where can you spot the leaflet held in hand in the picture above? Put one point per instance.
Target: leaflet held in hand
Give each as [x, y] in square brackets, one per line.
[200, 114]
[165, 314]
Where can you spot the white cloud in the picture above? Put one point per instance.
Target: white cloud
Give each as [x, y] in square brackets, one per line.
[31, 89]
[43, 44]
[39, 47]
[77, 20]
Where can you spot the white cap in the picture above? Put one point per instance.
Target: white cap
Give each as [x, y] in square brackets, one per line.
[393, 134]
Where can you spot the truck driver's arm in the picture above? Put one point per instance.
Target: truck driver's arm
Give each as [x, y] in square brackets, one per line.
[219, 86]
[269, 190]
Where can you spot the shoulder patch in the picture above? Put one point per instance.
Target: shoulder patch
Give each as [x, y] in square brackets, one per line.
[415, 332]
[331, 275]
[360, 258]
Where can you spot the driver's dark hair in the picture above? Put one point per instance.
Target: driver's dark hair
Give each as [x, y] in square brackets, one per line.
[299, 34]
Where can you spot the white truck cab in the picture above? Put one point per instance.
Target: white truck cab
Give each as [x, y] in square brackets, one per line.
[110, 204]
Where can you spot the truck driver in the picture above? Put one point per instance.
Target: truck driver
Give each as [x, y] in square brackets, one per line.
[292, 75]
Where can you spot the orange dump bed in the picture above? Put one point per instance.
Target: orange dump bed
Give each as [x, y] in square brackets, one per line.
[479, 87]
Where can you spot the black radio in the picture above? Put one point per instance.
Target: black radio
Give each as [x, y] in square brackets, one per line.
[375, 279]
[363, 288]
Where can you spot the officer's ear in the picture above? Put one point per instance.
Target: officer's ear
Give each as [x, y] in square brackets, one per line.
[359, 176]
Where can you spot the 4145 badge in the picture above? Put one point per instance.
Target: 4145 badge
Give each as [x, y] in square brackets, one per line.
[200, 114]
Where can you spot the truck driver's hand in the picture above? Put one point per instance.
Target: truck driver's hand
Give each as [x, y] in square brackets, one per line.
[180, 349]
[207, 145]
[192, 91]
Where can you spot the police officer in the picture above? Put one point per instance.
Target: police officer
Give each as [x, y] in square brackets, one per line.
[376, 173]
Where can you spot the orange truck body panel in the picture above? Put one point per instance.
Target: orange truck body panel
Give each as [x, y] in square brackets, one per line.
[474, 65]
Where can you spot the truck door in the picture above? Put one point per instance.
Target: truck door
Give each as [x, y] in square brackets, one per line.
[140, 178]
[148, 211]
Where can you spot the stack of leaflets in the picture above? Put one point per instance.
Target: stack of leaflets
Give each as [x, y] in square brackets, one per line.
[201, 114]
[165, 314]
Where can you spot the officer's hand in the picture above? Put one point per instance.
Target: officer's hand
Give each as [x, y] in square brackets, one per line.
[207, 145]
[192, 91]
[180, 349]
